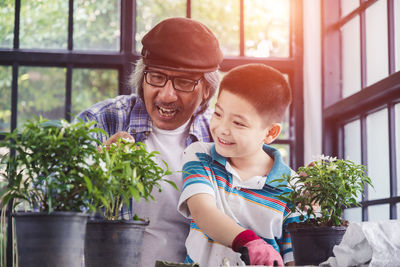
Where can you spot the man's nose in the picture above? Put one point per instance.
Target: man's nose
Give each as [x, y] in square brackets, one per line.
[167, 93]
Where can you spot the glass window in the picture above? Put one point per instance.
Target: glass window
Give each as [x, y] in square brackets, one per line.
[378, 213]
[397, 32]
[44, 24]
[398, 211]
[150, 12]
[351, 72]
[3, 152]
[41, 91]
[222, 17]
[285, 152]
[7, 8]
[376, 42]
[266, 27]
[378, 154]
[90, 86]
[285, 131]
[346, 6]
[352, 143]
[285, 126]
[97, 25]
[5, 98]
[397, 130]
[353, 215]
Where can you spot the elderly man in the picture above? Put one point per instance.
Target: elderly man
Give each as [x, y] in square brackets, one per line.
[174, 81]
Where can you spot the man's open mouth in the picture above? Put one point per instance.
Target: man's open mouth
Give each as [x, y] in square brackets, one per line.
[167, 112]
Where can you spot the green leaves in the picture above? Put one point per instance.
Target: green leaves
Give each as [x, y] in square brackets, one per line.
[124, 171]
[56, 167]
[330, 183]
[49, 164]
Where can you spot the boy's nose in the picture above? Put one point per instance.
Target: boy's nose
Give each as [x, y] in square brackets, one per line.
[224, 128]
[168, 93]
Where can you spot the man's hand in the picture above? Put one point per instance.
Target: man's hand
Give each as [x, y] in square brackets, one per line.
[255, 251]
[114, 138]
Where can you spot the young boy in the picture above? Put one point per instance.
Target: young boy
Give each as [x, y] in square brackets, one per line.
[236, 214]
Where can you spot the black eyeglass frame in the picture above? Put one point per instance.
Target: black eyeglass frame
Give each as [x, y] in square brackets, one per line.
[172, 78]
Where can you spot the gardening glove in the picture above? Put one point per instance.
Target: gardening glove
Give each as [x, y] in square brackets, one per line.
[255, 251]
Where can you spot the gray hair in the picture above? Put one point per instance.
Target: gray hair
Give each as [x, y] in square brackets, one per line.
[136, 80]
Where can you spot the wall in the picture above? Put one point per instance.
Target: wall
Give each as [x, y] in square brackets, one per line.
[312, 79]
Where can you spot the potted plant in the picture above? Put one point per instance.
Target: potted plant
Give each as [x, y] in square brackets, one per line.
[318, 193]
[125, 173]
[46, 172]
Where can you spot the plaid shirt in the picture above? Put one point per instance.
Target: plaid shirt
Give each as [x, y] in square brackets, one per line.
[128, 113]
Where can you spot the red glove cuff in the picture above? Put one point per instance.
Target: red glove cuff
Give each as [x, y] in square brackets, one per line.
[243, 238]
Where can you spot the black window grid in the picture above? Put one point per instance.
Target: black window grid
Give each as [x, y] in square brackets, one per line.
[338, 111]
[123, 60]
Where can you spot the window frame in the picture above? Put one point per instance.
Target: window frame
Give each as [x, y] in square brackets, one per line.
[337, 111]
[122, 60]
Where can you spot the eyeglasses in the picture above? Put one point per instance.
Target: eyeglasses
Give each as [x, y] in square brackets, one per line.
[159, 79]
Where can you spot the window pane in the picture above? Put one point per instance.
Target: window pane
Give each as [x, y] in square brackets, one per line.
[41, 91]
[285, 131]
[398, 211]
[378, 213]
[378, 154]
[97, 25]
[377, 42]
[348, 5]
[352, 215]
[285, 126]
[150, 12]
[352, 141]
[285, 152]
[222, 17]
[266, 28]
[7, 8]
[351, 73]
[5, 98]
[397, 122]
[90, 86]
[352, 144]
[397, 32]
[44, 24]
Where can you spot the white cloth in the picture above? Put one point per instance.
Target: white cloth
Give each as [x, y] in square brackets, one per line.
[164, 239]
[373, 243]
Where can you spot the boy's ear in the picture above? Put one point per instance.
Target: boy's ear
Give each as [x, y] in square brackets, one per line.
[273, 133]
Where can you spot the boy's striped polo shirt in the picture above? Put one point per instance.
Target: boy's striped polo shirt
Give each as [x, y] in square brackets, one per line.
[254, 204]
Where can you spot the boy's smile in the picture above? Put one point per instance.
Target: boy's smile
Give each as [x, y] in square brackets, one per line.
[237, 128]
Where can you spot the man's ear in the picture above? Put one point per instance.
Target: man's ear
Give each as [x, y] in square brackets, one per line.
[273, 133]
[206, 93]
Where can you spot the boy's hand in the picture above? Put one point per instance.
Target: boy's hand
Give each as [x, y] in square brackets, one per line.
[255, 251]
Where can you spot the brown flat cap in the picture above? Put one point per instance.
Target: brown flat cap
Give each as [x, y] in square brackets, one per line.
[181, 44]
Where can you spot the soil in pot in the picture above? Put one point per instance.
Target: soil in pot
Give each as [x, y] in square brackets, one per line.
[114, 243]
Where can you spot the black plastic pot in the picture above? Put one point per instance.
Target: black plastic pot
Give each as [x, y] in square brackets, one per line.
[313, 245]
[113, 243]
[55, 239]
